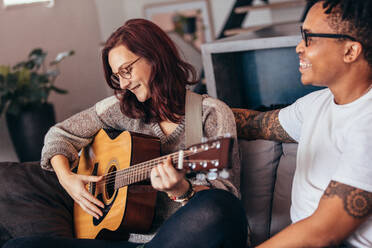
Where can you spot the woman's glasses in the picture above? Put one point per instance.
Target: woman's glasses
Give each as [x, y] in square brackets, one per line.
[305, 36]
[125, 72]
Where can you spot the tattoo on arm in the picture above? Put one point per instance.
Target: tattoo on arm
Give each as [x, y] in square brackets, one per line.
[260, 125]
[357, 203]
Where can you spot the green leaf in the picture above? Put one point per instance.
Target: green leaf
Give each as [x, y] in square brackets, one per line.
[62, 56]
[43, 78]
[4, 70]
[37, 56]
[19, 65]
[36, 52]
[53, 73]
[12, 80]
[24, 75]
[30, 64]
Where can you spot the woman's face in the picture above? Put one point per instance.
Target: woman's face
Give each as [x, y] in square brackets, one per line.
[137, 71]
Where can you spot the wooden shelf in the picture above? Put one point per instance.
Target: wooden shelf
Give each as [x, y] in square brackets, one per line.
[280, 5]
[235, 31]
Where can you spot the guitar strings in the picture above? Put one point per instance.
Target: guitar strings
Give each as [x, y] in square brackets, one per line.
[132, 174]
[138, 170]
[140, 165]
[134, 170]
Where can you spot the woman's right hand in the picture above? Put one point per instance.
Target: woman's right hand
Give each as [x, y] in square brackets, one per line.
[74, 184]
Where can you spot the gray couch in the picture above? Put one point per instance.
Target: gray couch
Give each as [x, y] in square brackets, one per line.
[266, 182]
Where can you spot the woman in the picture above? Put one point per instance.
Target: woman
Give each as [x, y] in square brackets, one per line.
[144, 68]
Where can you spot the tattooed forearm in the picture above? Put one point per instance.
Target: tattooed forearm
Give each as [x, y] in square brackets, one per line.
[260, 125]
[357, 203]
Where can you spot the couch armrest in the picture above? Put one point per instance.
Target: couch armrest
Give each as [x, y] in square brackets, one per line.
[280, 216]
[260, 159]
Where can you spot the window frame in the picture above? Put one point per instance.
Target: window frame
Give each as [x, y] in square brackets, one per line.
[23, 3]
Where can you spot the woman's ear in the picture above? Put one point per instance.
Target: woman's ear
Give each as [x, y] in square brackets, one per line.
[352, 51]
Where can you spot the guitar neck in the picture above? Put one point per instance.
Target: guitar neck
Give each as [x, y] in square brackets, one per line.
[211, 157]
[139, 172]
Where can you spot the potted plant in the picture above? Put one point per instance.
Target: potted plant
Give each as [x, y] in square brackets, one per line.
[24, 92]
[185, 25]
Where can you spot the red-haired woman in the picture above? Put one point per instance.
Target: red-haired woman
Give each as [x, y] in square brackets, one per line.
[144, 68]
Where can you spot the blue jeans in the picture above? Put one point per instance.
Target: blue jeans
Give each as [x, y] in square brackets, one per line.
[211, 219]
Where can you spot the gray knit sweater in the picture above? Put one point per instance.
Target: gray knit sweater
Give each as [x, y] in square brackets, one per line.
[70, 136]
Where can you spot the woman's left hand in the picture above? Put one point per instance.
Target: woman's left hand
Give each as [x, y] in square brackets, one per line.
[165, 177]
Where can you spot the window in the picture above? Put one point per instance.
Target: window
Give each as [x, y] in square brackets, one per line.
[8, 3]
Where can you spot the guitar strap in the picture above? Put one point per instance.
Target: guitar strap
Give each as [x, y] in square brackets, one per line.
[193, 118]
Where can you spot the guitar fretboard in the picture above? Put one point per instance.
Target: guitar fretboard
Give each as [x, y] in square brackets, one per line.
[139, 172]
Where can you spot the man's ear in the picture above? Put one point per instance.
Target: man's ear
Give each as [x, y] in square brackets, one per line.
[352, 51]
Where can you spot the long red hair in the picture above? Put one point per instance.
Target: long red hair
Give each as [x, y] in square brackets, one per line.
[169, 73]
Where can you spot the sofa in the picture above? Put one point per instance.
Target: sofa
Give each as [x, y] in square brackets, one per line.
[267, 171]
[266, 179]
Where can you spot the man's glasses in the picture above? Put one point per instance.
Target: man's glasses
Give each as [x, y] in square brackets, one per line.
[125, 72]
[305, 36]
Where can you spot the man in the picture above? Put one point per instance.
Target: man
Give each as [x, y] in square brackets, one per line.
[332, 187]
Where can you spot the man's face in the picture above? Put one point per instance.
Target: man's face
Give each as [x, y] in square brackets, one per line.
[321, 62]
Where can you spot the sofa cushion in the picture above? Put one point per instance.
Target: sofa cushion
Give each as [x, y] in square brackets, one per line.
[283, 188]
[32, 202]
[259, 162]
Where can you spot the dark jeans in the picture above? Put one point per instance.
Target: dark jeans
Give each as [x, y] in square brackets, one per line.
[212, 219]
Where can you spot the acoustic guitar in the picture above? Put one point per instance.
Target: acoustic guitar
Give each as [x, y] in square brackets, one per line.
[125, 160]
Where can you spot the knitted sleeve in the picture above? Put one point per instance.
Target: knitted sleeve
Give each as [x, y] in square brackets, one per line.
[219, 120]
[70, 136]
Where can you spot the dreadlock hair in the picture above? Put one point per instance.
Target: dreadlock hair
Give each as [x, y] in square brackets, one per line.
[351, 17]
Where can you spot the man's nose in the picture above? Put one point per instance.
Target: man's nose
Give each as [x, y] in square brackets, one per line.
[300, 46]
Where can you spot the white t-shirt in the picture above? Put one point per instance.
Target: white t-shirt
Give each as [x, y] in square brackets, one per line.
[335, 143]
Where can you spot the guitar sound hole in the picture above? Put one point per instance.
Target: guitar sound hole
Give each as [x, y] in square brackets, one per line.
[110, 182]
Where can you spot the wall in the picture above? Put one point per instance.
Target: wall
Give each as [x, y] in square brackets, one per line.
[68, 25]
[219, 9]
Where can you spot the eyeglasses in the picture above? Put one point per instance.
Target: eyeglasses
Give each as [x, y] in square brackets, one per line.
[125, 72]
[305, 36]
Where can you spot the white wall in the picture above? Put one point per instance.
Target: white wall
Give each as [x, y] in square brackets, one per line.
[110, 16]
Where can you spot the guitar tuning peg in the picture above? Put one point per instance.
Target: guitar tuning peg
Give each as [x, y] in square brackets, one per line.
[224, 174]
[212, 175]
[204, 139]
[200, 177]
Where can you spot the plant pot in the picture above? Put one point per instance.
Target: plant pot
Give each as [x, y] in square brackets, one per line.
[27, 130]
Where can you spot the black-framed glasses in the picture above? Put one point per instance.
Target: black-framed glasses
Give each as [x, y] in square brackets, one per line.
[125, 72]
[305, 36]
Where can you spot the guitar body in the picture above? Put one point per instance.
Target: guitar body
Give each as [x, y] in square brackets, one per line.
[127, 209]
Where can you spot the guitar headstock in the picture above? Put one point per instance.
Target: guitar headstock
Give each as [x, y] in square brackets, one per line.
[210, 156]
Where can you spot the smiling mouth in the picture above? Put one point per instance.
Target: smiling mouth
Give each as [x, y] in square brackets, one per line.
[135, 87]
[305, 65]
